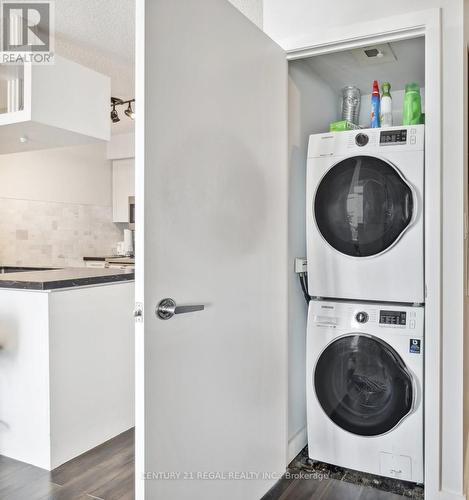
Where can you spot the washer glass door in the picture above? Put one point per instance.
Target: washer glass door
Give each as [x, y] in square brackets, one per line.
[362, 206]
[363, 385]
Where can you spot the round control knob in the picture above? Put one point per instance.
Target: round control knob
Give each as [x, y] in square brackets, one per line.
[361, 140]
[361, 317]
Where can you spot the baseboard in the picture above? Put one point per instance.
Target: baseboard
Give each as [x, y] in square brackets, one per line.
[466, 467]
[446, 495]
[297, 443]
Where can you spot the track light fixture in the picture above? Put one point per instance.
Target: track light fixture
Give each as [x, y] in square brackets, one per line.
[115, 115]
[116, 101]
[129, 111]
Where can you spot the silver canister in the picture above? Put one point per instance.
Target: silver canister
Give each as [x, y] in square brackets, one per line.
[351, 104]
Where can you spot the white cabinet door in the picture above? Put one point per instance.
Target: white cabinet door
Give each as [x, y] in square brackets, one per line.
[212, 171]
[123, 186]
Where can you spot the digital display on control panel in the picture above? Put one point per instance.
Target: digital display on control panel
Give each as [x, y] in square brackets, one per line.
[393, 137]
[392, 317]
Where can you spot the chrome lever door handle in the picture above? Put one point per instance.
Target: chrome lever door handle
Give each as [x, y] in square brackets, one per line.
[167, 308]
[188, 309]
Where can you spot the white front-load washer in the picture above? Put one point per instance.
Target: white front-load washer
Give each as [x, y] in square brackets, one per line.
[364, 217]
[365, 387]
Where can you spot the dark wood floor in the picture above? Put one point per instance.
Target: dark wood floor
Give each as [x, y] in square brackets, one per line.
[326, 489]
[107, 473]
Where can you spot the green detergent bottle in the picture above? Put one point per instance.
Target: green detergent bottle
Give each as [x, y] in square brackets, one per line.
[412, 105]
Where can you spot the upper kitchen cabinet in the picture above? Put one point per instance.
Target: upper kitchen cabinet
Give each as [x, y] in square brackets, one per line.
[49, 106]
[123, 190]
[121, 150]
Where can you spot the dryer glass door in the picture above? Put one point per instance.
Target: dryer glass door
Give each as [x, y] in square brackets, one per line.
[362, 206]
[363, 385]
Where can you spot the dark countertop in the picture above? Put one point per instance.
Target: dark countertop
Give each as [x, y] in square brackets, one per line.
[64, 278]
[111, 258]
[17, 269]
[121, 260]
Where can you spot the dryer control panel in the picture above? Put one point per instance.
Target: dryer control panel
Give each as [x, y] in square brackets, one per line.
[390, 137]
[367, 141]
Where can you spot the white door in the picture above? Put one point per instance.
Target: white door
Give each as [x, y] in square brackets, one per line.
[212, 201]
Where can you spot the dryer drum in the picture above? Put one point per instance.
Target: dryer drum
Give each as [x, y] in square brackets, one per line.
[362, 206]
[363, 385]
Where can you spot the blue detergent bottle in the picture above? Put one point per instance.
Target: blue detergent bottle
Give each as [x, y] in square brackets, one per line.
[375, 105]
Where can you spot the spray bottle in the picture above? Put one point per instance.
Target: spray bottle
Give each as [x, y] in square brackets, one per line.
[386, 105]
[375, 105]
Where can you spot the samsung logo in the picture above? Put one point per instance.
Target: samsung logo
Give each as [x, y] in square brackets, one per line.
[327, 307]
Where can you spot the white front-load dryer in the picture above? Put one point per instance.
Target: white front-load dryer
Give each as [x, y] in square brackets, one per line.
[365, 387]
[364, 214]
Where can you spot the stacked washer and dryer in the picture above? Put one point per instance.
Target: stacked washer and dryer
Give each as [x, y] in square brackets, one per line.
[365, 339]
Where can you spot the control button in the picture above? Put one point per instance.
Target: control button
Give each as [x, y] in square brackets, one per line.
[413, 140]
[412, 323]
[361, 140]
[361, 317]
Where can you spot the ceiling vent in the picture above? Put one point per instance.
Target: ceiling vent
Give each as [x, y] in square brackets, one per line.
[374, 54]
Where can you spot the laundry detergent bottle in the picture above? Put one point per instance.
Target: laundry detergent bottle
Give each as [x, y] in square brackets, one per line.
[386, 105]
[375, 105]
[412, 112]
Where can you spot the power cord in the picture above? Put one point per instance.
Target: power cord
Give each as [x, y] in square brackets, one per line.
[304, 286]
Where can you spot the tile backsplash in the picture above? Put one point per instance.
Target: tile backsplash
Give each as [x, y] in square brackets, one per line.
[39, 233]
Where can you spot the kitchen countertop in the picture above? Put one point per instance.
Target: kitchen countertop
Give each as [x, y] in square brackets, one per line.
[64, 278]
[17, 269]
[121, 260]
[113, 259]
[102, 258]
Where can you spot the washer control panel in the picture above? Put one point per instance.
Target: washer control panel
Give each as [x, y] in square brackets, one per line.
[369, 318]
[392, 317]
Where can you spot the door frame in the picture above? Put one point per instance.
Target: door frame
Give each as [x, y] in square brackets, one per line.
[425, 23]
[139, 239]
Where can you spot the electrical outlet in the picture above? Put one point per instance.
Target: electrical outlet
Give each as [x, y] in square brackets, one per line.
[301, 265]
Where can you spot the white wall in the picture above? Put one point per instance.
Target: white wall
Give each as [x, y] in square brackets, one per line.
[251, 9]
[121, 146]
[56, 206]
[306, 89]
[466, 249]
[292, 20]
[291, 24]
